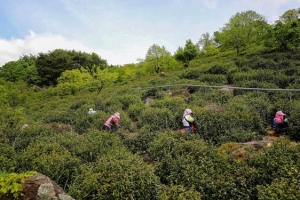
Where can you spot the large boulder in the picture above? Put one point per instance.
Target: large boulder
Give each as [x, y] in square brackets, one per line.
[41, 187]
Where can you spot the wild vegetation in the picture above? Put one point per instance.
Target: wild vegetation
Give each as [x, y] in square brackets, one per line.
[147, 158]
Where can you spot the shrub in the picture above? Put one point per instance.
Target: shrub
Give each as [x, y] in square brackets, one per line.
[191, 74]
[157, 119]
[135, 110]
[276, 162]
[281, 188]
[11, 184]
[199, 167]
[140, 143]
[179, 192]
[174, 105]
[127, 100]
[7, 158]
[118, 175]
[51, 159]
[34, 130]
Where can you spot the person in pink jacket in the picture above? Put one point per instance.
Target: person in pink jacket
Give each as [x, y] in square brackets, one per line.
[112, 122]
[280, 123]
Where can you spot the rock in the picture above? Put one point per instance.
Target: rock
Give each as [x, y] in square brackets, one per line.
[24, 127]
[226, 89]
[149, 100]
[162, 74]
[41, 187]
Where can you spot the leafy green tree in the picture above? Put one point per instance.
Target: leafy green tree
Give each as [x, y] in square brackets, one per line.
[205, 41]
[186, 54]
[241, 30]
[51, 65]
[286, 35]
[158, 58]
[23, 69]
[290, 15]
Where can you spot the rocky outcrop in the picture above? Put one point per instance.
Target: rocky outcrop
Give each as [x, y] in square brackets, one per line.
[41, 187]
[227, 89]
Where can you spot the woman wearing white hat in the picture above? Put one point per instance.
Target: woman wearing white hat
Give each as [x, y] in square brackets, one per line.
[188, 121]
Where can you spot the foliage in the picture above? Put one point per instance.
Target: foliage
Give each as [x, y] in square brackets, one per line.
[278, 162]
[147, 158]
[118, 175]
[11, 184]
[51, 65]
[51, 159]
[186, 54]
[286, 35]
[156, 119]
[158, 58]
[179, 192]
[7, 158]
[241, 30]
[195, 165]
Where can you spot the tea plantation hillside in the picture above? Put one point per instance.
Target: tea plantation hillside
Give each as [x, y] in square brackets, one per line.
[147, 158]
[234, 83]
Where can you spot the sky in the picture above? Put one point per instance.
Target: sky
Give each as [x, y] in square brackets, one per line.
[119, 31]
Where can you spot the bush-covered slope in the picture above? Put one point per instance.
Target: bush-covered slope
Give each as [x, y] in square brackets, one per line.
[147, 158]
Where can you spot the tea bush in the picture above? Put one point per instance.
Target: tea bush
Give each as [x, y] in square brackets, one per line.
[179, 192]
[157, 119]
[194, 164]
[176, 106]
[140, 143]
[89, 146]
[51, 159]
[7, 158]
[245, 114]
[127, 100]
[118, 175]
[293, 115]
[278, 161]
[33, 133]
[281, 188]
[11, 121]
[191, 74]
[134, 111]
[205, 96]
[213, 79]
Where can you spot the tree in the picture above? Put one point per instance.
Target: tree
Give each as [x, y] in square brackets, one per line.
[186, 54]
[13, 71]
[51, 65]
[23, 69]
[286, 36]
[157, 57]
[241, 30]
[205, 41]
[289, 15]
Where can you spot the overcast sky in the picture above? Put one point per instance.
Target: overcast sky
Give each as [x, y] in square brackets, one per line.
[119, 31]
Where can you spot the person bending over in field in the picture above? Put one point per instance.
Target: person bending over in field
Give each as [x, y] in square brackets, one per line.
[112, 122]
[280, 124]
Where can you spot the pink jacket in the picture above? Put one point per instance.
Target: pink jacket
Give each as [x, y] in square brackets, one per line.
[279, 117]
[113, 120]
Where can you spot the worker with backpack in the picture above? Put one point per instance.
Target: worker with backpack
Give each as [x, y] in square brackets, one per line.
[188, 122]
